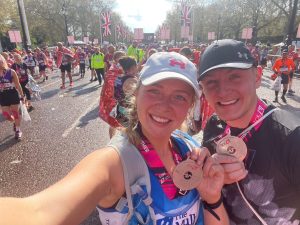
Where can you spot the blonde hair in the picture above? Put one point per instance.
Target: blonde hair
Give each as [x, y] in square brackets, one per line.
[4, 61]
[133, 120]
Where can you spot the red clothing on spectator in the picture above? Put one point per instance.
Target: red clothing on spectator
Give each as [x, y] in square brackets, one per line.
[107, 100]
[108, 58]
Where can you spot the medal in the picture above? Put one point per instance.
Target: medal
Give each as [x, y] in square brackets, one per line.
[187, 175]
[231, 145]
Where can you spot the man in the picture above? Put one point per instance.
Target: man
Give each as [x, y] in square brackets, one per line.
[109, 57]
[64, 63]
[133, 50]
[270, 181]
[187, 52]
[283, 67]
[97, 64]
[80, 58]
[42, 60]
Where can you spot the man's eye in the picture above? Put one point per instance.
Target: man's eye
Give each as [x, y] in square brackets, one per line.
[211, 82]
[234, 77]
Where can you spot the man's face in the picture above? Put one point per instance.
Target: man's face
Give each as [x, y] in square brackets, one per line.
[284, 55]
[232, 93]
[60, 46]
[134, 44]
[111, 50]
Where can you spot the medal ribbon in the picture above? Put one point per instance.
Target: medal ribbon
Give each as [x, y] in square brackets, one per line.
[255, 122]
[155, 164]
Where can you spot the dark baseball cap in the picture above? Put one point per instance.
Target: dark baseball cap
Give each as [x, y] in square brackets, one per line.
[225, 53]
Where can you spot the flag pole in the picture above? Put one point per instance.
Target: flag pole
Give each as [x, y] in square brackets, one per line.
[100, 30]
[115, 34]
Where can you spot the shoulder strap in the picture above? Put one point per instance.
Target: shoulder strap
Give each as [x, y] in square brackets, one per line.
[134, 167]
[189, 141]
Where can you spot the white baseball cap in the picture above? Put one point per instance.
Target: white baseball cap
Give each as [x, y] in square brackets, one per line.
[169, 65]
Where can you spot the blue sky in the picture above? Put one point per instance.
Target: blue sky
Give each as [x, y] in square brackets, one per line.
[147, 14]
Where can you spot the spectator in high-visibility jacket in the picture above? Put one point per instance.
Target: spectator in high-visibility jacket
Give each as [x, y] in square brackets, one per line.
[133, 50]
[97, 63]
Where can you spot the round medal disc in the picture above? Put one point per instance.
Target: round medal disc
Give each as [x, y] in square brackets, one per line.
[231, 145]
[187, 175]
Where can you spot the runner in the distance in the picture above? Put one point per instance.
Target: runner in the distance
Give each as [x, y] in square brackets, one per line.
[10, 95]
[20, 68]
[42, 61]
[64, 62]
[283, 67]
[31, 62]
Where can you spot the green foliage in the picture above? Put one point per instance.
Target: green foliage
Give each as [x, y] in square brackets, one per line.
[227, 18]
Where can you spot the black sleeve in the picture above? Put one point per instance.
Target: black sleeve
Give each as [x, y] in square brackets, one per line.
[25, 66]
[14, 67]
[290, 156]
[213, 128]
[34, 59]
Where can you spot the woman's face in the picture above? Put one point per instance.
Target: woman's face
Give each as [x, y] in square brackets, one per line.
[2, 63]
[17, 58]
[162, 107]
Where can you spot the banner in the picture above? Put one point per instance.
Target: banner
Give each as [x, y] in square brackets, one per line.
[14, 36]
[138, 34]
[211, 36]
[247, 33]
[164, 32]
[185, 32]
[71, 39]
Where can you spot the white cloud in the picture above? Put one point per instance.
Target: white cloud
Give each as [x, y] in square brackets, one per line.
[147, 14]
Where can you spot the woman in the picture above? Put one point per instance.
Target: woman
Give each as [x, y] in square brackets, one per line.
[10, 89]
[21, 69]
[164, 95]
[107, 100]
[30, 61]
[123, 88]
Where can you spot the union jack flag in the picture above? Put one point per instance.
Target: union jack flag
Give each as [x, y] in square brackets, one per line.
[185, 14]
[106, 23]
[119, 30]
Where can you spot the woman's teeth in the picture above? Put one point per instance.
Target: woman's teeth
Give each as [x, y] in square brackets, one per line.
[160, 120]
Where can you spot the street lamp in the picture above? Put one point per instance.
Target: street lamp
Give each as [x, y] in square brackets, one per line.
[25, 31]
[64, 13]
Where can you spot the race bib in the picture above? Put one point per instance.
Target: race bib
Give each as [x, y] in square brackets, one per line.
[283, 69]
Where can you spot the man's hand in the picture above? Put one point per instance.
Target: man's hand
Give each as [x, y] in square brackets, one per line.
[234, 170]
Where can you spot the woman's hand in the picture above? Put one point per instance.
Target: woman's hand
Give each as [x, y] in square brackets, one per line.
[213, 175]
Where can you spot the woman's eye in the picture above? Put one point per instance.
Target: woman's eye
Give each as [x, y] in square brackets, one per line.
[153, 91]
[180, 98]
